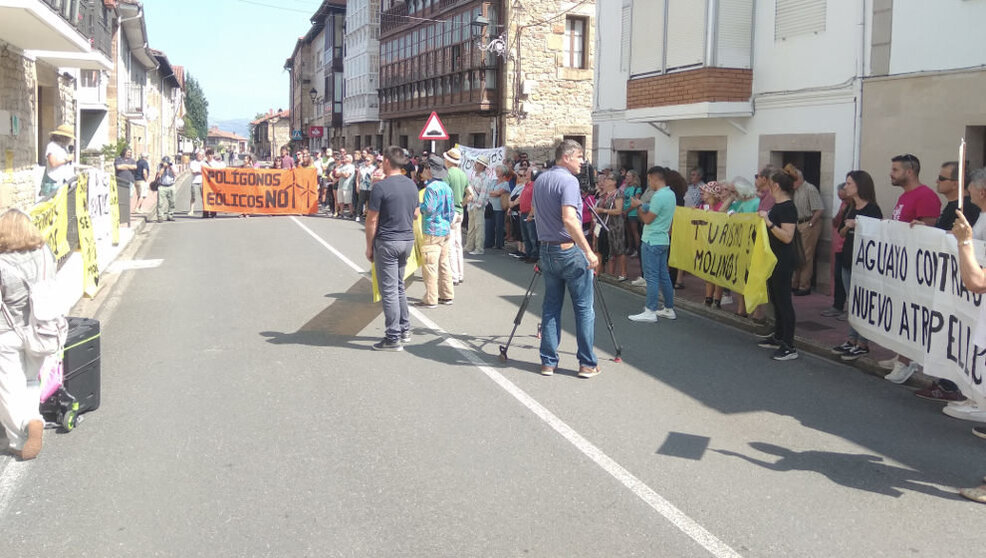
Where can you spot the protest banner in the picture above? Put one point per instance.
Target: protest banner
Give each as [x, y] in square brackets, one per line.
[100, 210]
[114, 212]
[907, 295]
[496, 156]
[260, 191]
[731, 251]
[87, 242]
[51, 218]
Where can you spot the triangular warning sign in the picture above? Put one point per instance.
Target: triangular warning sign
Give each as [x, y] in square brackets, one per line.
[434, 129]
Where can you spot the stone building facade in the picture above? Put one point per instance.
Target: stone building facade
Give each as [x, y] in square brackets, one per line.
[443, 56]
[270, 132]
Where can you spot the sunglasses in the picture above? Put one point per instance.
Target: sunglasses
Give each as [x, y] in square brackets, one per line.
[946, 179]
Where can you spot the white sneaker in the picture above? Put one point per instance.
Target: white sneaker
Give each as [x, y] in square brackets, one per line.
[900, 373]
[970, 411]
[645, 316]
[726, 299]
[667, 313]
[890, 363]
[476, 253]
[639, 282]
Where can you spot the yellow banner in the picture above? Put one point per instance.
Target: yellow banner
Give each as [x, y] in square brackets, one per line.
[51, 218]
[729, 250]
[413, 261]
[87, 242]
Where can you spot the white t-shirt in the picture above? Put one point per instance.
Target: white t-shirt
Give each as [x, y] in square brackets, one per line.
[979, 231]
[347, 183]
[196, 168]
[61, 173]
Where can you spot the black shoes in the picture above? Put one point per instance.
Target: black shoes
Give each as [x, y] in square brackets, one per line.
[389, 345]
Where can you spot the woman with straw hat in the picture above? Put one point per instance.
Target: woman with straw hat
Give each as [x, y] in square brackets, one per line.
[58, 161]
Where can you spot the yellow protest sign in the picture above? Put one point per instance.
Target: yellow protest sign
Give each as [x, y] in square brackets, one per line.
[87, 242]
[729, 250]
[51, 218]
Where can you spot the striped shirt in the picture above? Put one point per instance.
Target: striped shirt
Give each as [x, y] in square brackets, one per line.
[807, 200]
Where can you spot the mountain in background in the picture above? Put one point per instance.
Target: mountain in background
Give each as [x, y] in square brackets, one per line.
[240, 126]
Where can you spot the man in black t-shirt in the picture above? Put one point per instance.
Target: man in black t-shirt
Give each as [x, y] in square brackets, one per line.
[948, 186]
[390, 219]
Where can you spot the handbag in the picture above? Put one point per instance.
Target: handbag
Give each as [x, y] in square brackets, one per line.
[47, 329]
[52, 375]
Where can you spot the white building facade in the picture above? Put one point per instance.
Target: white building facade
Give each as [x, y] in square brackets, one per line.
[361, 106]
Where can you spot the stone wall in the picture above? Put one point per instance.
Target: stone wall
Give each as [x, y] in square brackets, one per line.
[543, 100]
[18, 97]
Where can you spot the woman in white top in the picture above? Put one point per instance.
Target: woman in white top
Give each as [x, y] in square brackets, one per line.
[24, 258]
[58, 161]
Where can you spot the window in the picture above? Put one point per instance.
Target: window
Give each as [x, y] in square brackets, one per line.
[402, 141]
[477, 140]
[574, 43]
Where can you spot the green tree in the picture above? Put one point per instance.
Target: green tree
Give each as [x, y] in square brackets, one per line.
[256, 117]
[196, 110]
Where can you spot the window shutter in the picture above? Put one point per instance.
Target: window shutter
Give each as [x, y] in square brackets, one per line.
[625, 30]
[735, 34]
[686, 33]
[798, 17]
[646, 39]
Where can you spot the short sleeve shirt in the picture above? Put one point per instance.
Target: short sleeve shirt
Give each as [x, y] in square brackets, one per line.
[807, 200]
[127, 175]
[395, 198]
[347, 183]
[781, 213]
[554, 189]
[437, 209]
[919, 203]
[947, 218]
[457, 181]
[62, 172]
[143, 169]
[196, 168]
[658, 231]
[498, 202]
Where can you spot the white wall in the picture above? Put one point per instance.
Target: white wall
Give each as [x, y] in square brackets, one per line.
[611, 80]
[937, 35]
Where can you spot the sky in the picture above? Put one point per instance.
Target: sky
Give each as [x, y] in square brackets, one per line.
[235, 48]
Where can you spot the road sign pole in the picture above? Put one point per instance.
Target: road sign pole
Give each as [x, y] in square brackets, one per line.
[432, 146]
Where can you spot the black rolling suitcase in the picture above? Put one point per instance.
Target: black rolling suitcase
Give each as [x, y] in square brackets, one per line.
[80, 389]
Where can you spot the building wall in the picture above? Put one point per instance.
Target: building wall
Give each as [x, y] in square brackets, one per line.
[544, 101]
[362, 64]
[20, 155]
[925, 115]
[959, 46]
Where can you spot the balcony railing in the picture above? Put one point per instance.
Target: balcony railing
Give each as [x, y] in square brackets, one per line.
[90, 18]
[135, 98]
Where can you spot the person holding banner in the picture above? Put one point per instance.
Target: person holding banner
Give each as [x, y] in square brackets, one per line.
[861, 193]
[782, 221]
[196, 167]
[390, 219]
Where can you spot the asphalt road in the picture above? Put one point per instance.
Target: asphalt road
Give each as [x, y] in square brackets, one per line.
[244, 414]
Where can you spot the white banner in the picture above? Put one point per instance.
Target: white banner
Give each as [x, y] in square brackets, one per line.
[496, 156]
[99, 206]
[907, 295]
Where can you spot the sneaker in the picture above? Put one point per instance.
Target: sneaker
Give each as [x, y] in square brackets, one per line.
[388, 345]
[890, 363]
[936, 393]
[406, 337]
[446, 301]
[547, 370]
[969, 411]
[831, 312]
[785, 353]
[621, 278]
[769, 343]
[979, 431]
[645, 316]
[667, 313]
[639, 282]
[771, 335]
[423, 304]
[900, 373]
[190, 212]
[589, 372]
[356, 219]
[476, 253]
[843, 317]
[855, 353]
[842, 349]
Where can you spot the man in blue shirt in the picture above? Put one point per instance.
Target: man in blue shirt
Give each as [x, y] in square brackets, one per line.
[655, 242]
[437, 213]
[567, 259]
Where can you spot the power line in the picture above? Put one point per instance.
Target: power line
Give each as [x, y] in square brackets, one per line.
[276, 7]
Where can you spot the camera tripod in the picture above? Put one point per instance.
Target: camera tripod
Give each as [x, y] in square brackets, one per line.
[618, 357]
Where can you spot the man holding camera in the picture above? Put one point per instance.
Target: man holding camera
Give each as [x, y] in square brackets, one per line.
[165, 179]
[567, 259]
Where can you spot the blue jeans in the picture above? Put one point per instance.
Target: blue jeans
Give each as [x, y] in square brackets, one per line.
[570, 268]
[390, 258]
[530, 238]
[654, 260]
[494, 230]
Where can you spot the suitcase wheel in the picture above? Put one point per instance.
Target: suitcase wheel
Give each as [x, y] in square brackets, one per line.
[69, 418]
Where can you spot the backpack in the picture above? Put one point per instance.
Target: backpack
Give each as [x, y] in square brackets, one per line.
[47, 329]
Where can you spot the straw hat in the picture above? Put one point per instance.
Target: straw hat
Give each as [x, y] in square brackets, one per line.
[483, 160]
[64, 130]
[453, 156]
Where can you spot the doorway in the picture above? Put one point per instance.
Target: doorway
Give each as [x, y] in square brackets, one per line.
[808, 162]
[707, 161]
[636, 160]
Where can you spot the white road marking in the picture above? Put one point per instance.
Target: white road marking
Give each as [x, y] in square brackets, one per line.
[662, 506]
[127, 265]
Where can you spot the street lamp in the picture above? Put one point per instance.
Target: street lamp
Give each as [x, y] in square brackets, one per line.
[312, 94]
[497, 46]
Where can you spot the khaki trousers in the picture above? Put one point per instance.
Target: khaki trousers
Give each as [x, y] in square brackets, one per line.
[455, 249]
[809, 238]
[436, 271]
[476, 236]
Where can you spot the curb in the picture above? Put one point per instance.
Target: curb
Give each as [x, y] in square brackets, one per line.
[865, 365]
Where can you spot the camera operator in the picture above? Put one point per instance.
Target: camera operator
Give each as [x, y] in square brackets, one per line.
[567, 259]
[165, 180]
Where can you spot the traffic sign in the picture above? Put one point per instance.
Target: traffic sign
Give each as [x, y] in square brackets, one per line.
[316, 131]
[434, 129]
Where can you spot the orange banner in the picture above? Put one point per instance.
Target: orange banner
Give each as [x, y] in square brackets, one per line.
[260, 191]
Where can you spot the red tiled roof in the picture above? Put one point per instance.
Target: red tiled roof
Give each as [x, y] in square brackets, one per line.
[271, 114]
[222, 134]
